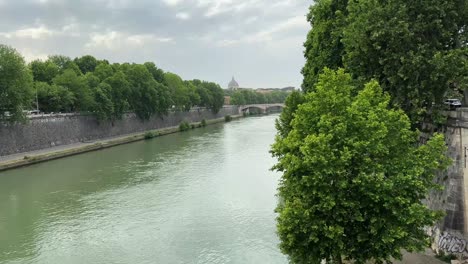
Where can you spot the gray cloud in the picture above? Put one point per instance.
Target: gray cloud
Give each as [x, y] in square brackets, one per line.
[258, 41]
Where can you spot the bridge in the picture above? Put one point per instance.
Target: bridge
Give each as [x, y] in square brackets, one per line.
[260, 108]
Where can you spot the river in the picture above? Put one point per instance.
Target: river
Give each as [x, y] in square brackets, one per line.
[203, 196]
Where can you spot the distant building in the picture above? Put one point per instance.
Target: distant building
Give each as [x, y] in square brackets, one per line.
[233, 85]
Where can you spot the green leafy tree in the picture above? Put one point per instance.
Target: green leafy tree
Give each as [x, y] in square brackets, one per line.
[179, 92]
[54, 98]
[324, 47]
[103, 107]
[103, 71]
[408, 47]
[92, 80]
[216, 94]
[44, 71]
[86, 63]
[204, 94]
[78, 85]
[119, 94]
[237, 98]
[354, 176]
[144, 96]
[283, 123]
[15, 85]
[195, 99]
[164, 100]
[416, 50]
[157, 73]
[64, 63]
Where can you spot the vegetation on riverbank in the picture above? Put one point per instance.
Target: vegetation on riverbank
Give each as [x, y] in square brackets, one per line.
[244, 97]
[354, 176]
[107, 90]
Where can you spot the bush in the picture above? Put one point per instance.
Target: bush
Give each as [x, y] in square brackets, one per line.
[203, 123]
[184, 126]
[150, 135]
[194, 126]
[228, 118]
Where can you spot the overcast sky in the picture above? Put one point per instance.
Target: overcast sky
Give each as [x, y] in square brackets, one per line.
[257, 41]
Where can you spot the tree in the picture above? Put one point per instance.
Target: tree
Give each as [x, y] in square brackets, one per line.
[416, 50]
[195, 99]
[92, 80]
[53, 98]
[179, 92]
[44, 71]
[120, 93]
[237, 98]
[283, 123]
[353, 176]
[144, 91]
[78, 85]
[203, 93]
[103, 107]
[103, 71]
[64, 63]
[216, 96]
[408, 47]
[86, 63]
[324, 47]
[15, 85]
[157, 73]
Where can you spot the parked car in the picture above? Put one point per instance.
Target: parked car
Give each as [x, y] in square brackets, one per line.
[453, 103]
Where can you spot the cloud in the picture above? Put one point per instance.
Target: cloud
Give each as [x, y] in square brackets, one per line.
[32, 33]
[114, 40]
[260, 41]
[172, 2]
[183, 16]
[267, 35]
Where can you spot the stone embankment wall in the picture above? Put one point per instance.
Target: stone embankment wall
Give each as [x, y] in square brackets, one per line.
[47, 131]
[450, 235]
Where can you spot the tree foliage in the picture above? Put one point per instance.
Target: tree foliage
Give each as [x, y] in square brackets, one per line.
[179, 91]
[324, 47]
[54, 98]
[408, 47]
[143, 95]
[64, 63]
[86, 84]
[244, 96]
[416, 50]
[353, 176]
[119, 93]
[283, 123]
[78, 85]
[103, 106]
[86, 63]
[44, 71]
[15, 85]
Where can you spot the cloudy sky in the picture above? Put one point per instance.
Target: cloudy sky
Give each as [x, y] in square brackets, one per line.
[257, 41]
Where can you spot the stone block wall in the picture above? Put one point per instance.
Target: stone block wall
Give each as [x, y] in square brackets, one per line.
[48, 131]
[450, 235]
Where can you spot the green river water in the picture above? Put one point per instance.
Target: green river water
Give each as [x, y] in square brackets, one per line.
[204, 196]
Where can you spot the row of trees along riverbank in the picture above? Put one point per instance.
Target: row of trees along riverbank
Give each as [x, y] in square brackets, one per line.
[87, 84]
[354, 176]
[246, 96]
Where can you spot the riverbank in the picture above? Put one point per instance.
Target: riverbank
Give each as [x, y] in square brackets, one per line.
[42, 155]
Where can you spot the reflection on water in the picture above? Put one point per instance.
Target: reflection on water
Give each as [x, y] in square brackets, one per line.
[205, 196]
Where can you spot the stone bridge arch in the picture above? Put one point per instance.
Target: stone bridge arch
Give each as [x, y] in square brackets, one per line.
[260, 108]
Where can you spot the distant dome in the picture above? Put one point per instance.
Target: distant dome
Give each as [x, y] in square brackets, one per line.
[233, 84]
